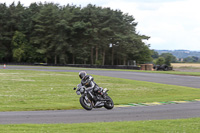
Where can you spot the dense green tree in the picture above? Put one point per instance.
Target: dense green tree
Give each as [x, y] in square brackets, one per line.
[155, 54]
[4, 39]
[48, 32]
[160, 61]
[19, 43]
[169, 58]
[45, 30]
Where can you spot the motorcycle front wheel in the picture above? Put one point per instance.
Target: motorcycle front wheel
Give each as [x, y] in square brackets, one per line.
[85, 104]
[109, 104]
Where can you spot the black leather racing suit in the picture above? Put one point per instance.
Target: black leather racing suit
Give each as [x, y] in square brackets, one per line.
[88, 82]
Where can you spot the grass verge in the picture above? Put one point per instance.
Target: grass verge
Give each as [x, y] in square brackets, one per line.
[35, 90]
[154, 126]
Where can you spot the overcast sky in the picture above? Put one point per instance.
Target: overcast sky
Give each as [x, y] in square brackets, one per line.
[171, 24]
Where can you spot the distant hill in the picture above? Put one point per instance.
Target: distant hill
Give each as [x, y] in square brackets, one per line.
[180, 53]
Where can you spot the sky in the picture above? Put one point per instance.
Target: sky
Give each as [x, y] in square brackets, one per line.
[171, 24]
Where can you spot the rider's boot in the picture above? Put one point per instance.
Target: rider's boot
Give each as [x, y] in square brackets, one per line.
[102, 93]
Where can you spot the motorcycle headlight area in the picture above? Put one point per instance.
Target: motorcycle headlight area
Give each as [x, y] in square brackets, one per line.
[82, 90]
[78, 92]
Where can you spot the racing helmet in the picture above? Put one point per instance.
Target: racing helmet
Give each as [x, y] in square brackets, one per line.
[82, 74]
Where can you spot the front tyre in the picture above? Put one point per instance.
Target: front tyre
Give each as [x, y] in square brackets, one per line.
[85, 104]
[109, 104]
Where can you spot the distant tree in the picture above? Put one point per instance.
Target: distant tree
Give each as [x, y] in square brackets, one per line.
[160, 61]
[195, 58]
[19, 43]
[191, 59]
[155, 54]
[169, 58]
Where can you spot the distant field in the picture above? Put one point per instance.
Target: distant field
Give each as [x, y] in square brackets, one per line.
[186, 65]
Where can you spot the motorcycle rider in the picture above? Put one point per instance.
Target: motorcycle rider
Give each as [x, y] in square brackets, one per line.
[88, 82]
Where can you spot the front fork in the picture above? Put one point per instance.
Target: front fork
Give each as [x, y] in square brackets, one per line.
[86, 97]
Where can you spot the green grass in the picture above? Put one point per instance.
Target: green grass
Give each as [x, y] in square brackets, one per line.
[154, 126]
[35, 90]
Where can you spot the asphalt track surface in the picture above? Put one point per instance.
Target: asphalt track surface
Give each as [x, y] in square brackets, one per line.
[170, 111]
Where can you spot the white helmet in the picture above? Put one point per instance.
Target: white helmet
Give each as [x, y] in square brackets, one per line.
[82, 74]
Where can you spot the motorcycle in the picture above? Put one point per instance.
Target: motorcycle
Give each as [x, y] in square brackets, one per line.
[89, 99]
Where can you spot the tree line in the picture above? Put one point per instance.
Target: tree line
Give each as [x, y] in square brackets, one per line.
[190, 59]
[164, 58]
[167, 58]
[69, 34]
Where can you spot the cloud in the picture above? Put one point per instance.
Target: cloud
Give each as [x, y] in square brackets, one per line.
[171, 24]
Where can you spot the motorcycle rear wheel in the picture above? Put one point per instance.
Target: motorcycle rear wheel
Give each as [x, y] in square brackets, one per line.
[109, 104]
[85, 104]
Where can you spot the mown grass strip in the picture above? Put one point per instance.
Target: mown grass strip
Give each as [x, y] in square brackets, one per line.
[153, 126]
[35, 90]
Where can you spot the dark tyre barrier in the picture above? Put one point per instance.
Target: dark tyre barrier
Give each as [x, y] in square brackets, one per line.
[163, 67]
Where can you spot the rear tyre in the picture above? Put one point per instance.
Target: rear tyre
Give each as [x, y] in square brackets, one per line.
[85, 104]
[109, 104]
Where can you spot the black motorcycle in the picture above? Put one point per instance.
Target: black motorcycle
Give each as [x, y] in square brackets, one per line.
[89, 99]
